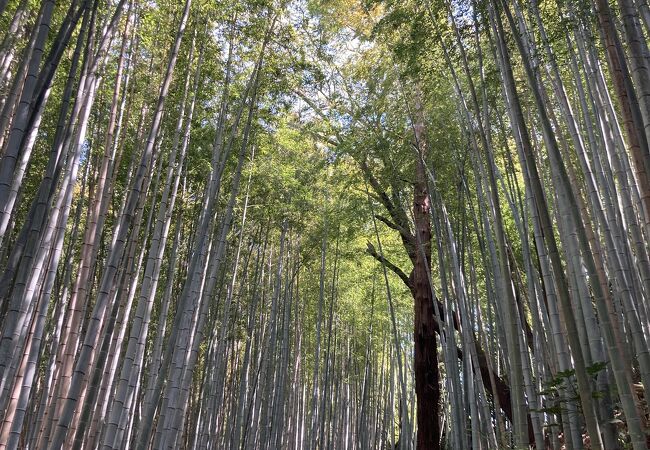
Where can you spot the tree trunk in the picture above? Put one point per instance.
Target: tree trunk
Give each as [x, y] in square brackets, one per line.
[425, 363]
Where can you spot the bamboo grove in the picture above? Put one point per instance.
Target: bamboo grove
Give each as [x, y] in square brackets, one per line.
[324, 224]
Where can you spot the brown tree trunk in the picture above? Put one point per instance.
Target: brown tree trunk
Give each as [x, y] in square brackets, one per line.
[427, 387]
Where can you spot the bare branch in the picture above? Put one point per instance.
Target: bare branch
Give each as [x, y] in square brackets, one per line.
[390, 224]
[389, 265]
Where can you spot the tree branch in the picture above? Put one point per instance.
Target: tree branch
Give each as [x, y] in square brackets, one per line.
[389, 265]
[397, 214]
[390, 224]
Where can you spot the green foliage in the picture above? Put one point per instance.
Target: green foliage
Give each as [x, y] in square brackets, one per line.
[556, 389]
